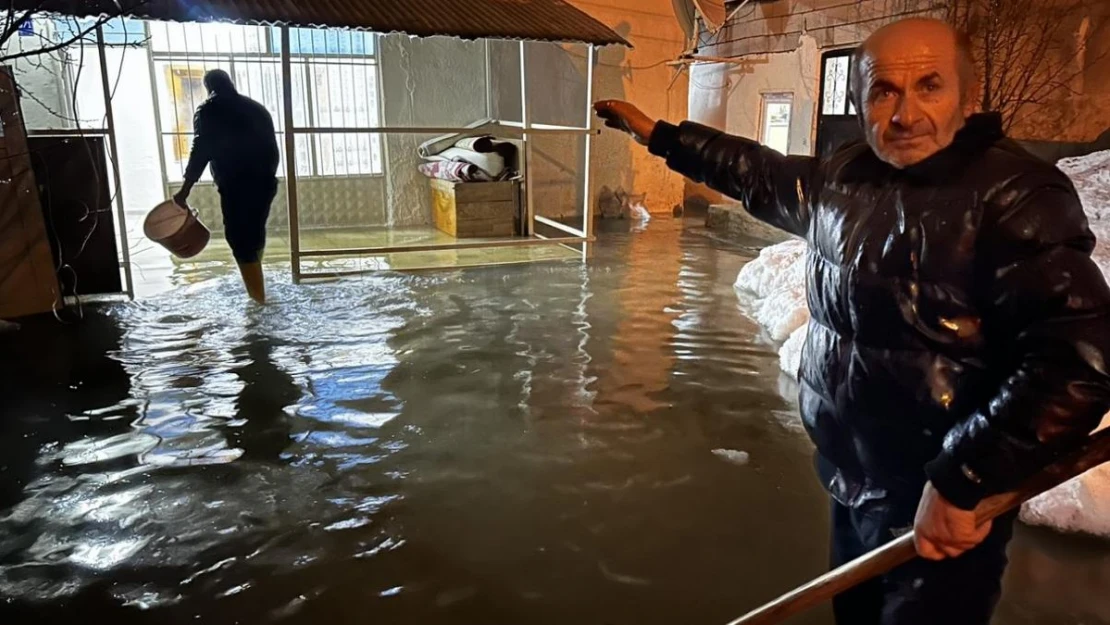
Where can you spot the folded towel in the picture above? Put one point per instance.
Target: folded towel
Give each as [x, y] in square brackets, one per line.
[491, 163]
[454, 171]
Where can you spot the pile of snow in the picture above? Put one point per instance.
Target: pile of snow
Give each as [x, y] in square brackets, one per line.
[1081, 505]
[775, 283]
[1091, 176]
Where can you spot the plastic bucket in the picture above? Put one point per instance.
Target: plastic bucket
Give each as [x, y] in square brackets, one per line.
[177, 229]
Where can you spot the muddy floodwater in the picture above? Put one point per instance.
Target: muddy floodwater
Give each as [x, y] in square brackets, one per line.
[608, 443]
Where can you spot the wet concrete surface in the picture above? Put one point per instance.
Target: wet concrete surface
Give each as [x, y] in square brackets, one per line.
[549, 443]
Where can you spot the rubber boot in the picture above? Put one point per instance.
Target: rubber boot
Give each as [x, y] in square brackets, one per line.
[254, 281]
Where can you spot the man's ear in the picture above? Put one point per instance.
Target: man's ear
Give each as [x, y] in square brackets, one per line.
[973, 93]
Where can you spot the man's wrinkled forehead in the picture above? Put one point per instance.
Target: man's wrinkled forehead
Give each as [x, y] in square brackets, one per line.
[910, 48]
[907, 58]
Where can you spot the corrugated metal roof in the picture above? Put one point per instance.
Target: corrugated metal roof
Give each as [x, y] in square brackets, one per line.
[541, 20]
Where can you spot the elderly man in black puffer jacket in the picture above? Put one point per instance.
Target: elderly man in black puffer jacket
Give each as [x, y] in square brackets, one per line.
[959, 335]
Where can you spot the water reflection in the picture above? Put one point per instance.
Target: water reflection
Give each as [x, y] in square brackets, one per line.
[262, 429]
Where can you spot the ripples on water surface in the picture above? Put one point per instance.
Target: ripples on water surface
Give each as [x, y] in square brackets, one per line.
[561, 443]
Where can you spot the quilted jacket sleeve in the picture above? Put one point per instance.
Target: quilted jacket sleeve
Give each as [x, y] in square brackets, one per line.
[774, 188]
[1046, 312]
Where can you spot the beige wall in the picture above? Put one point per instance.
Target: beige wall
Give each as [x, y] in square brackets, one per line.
[778, 25]
[730, 97]
[787, 72]
[640, 76]
[437, 81]
[764, 31]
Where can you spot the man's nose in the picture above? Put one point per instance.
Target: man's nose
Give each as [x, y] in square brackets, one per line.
[907, 113]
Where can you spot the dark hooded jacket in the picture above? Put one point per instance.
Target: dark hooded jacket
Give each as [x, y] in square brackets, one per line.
[959, 328]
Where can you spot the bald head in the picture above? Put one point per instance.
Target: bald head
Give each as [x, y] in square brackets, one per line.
[920, 32]
[914, 85]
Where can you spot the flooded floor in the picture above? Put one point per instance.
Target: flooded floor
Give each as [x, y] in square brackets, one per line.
[608, 444]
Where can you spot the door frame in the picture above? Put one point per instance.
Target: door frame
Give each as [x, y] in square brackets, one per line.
[822, 117]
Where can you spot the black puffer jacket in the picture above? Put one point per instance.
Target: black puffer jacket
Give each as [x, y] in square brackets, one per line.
[959, 327]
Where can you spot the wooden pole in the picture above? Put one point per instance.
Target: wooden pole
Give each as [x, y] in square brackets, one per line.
[1094, 452]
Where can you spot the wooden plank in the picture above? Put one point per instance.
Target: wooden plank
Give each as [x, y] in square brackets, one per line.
[28, 281]
[487, 231]
[478, 211]
[485, 191]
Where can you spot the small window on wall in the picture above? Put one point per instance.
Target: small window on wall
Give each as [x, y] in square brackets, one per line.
[776, 114]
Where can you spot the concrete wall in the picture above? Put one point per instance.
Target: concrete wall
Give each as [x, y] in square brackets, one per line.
[1077, 114]
[708, 96]
[796, 72]
[778, 25]
[438, 81]
[778, 45]
[730, 97]
[640, 76]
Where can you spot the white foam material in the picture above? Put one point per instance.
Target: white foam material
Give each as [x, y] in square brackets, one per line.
[733, 456]
[1079, 506]
[776, 282]
[1091, 176]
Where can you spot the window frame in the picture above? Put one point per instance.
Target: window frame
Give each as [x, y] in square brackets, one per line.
[848, 108]
[165, 59]
[767, 98]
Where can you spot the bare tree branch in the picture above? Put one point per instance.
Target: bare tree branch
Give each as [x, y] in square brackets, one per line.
[1028, 51]
[57, 46]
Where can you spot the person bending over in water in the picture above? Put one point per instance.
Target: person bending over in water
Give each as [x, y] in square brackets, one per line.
[236, 136]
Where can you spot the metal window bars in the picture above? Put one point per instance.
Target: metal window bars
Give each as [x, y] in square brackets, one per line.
[324, 88]
[577, 238]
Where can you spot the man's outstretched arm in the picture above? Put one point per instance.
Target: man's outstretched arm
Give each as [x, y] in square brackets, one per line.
[774, 188]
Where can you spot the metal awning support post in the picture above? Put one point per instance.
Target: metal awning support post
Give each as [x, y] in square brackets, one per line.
[489, 80]
[587, 218]
[526, 120]
[290, 156]
[110, 126]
